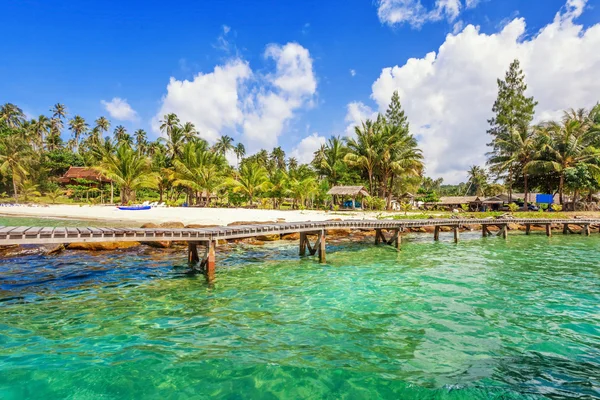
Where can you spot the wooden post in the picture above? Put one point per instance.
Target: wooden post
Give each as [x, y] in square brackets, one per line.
[548, 230]
[586, 230]
[193, 253]
[377, 236]
[456, 234]
[302, 243]
[322, 247]
[210, 260]
[527, 229]
[112, 193]
[565, 229]
[484, 231]
[398, 240]
[436, 233]
[504, 231]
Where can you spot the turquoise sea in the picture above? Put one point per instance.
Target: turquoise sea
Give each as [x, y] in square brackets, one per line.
[486, 318]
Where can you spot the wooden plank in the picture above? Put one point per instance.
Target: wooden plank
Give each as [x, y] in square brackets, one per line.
[59, 233]
[95, 231]
[32, 232]
[72, 232]
[6, 230]
[18, 232]
[84, 232]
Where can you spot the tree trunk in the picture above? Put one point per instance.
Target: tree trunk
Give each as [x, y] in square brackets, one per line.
[161, 190]
[389, 195]
[525, 202]
[14, 182]
[561, 184]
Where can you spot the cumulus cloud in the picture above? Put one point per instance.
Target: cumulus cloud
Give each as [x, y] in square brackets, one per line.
[119, 109]
[356, 113]
[352, 72]
[412, 12]
[448, 94]
[234, 98]
[305, 150]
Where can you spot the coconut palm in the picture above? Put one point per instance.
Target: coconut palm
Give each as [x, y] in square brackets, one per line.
[363, 150]
[54, 194]
[329, 159]
[141, 142]
[477, 179]
[515, 153]
[119, 133]
[199, 170]
[79, 127]
[11, 115]
[564, 145]
[278, 157]
[128, 169]
[240, 151]
[251, 180]
[40, 129]
[223, 145]
[29, 189]
[14, 154]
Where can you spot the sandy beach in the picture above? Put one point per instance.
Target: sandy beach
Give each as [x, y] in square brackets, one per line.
[209, 216]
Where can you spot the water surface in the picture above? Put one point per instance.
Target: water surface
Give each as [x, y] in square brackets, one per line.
[486, 318]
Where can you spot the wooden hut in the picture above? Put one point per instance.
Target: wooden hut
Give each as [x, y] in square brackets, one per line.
[349, 191]
[456, 202]
[89, 174]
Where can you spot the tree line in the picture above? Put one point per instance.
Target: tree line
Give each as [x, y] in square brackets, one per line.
[180, 166]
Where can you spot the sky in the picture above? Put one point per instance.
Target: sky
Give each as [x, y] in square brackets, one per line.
[294, 73]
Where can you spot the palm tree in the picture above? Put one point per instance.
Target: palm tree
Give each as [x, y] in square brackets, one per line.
[11, 115]
[250, 181]
[278, 157]
[292, 163]
[128, 169]
[54, 194]
[516, 152]
[199, 170]
[329, 159]
[14, 154]
[223, 145]
[564, 145]
[78, 126]
[29, 189]
[59, 111]
[364, 150]
[119, 133]
[53, 140]
[477, 180]
[102, 125]
[41, 128]
[240, 151]
[140, 140]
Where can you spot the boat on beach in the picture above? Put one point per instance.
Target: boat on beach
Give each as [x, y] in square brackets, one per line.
[134, 208]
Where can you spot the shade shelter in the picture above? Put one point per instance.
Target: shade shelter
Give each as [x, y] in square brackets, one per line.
[350, 191]
[70, 178]
[456, 202]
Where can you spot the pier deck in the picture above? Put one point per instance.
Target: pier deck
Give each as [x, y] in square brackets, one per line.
[18, 235]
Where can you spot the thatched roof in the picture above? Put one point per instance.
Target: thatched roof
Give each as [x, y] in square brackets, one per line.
[83, 173]
[452, 200]
[493, 200]
[348, 191]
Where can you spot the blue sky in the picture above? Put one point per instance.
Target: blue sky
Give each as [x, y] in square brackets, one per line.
[83, 53]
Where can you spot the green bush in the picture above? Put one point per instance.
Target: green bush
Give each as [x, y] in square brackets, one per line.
[513, 207]
[557, 207]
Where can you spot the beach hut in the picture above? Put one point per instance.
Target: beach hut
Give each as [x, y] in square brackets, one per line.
[349, 191]
[456, 202]
[89, 174]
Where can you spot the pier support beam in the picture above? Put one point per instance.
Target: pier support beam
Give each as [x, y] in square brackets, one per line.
[586, 230]
[193, 257]
[210, 265]
[207, 263]
[394, 240]
[566, 229]
[456, 234]
[503, 231]
[485, 232]
[318, 247]
[548, 230]
[527, 229]
[436, 233]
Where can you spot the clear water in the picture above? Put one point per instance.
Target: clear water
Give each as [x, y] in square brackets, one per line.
[482, 319]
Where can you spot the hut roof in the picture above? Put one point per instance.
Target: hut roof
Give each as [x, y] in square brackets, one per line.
[348, 191]
[459, 200]
[83, 173]
[493, 200]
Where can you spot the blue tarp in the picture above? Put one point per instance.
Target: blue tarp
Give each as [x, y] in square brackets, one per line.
[544, 198]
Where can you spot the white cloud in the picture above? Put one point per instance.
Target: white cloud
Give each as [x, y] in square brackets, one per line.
[448, 95]
[226, 29]
[119, 109]
[352, 72]
[234, 98]
[305, 150]
[210, 101]
[412, 12]
[357, 112]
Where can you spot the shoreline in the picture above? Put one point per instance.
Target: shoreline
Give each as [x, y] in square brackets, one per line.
[185, 215]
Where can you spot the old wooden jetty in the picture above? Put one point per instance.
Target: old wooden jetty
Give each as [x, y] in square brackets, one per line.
[312, 234]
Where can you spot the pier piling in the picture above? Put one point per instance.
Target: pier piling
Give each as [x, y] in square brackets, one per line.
[456, 234]
[436, 233]
[548, 230]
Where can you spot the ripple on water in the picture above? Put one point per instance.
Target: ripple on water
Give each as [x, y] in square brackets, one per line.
[482, 319]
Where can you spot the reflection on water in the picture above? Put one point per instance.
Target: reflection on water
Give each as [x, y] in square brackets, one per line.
[484, 318]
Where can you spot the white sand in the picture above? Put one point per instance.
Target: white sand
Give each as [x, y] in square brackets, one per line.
[216, 216]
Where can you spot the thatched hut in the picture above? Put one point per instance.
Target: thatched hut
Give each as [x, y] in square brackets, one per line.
[349, 191]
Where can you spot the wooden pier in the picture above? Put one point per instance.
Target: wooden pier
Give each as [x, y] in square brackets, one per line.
[386, 232]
